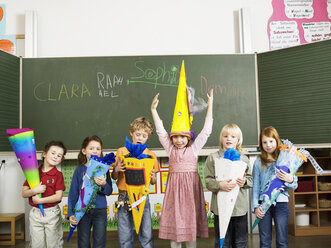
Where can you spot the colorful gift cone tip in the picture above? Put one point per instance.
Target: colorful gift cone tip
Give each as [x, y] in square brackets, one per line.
[22, 141]
[72, 229]
[257, 220]
[221, 242]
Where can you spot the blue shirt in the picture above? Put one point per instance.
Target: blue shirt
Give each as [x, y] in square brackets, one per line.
[76, 185]
[261, 178]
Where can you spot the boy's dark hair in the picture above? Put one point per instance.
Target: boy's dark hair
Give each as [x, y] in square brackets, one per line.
[81, 157]
[142, 123]
[54, 143]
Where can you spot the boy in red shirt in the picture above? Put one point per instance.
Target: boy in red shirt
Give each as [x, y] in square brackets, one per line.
[46, 231]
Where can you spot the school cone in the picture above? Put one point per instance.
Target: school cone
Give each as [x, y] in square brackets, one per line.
[138, 193]
[182, 119]
[23, 143]
[97, 167]
[72, 229]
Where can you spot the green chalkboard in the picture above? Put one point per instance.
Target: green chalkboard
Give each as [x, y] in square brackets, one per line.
[70, 98]
[9, 96]
[295, 90]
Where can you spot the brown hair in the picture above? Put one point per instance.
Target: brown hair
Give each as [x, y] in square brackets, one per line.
[54, 143]
[81, 157]
[142, 123]
[269, 132]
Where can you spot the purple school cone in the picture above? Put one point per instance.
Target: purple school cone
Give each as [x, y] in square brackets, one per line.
[22, 141]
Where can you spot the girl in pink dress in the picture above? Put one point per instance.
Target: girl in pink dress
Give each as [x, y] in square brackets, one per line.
[184, 215]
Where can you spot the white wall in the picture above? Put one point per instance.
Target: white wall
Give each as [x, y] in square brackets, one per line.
[11, 181]
[145, 27]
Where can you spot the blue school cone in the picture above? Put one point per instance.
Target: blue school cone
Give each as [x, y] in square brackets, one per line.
[221, 242]
[41, 207]
[72, 229]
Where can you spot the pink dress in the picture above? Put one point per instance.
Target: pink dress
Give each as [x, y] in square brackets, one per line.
[184, 215]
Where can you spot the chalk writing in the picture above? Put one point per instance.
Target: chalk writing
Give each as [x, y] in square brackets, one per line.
[226, 90]
[159, 76]
[45, 92]
[107, 85]
[316, 31]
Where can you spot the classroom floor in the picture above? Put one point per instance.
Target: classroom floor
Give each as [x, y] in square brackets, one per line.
[253, 242]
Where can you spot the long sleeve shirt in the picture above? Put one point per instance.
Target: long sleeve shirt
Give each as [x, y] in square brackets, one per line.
[260, 180]
[76, 186]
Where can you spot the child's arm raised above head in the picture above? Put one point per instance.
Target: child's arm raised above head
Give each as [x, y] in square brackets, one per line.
[154, 105]
[210, 104]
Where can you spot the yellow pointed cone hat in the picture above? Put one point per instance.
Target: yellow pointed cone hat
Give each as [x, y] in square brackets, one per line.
[182, 119]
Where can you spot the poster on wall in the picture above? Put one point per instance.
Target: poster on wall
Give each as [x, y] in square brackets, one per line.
[163, 177]
[7, 42]
[296, 22]
[2, 19]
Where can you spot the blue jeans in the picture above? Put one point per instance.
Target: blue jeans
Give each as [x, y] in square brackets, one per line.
[125, 226]
[96, 218]
[280, 215]
[236, 235]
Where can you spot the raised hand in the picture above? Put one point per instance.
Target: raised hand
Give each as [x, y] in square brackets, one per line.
[210, 96]
[155, 102]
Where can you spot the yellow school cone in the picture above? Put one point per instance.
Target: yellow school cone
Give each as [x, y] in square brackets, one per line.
[138, 178]
[182, 119]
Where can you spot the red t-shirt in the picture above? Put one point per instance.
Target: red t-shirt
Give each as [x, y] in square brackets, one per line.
[53, 180]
